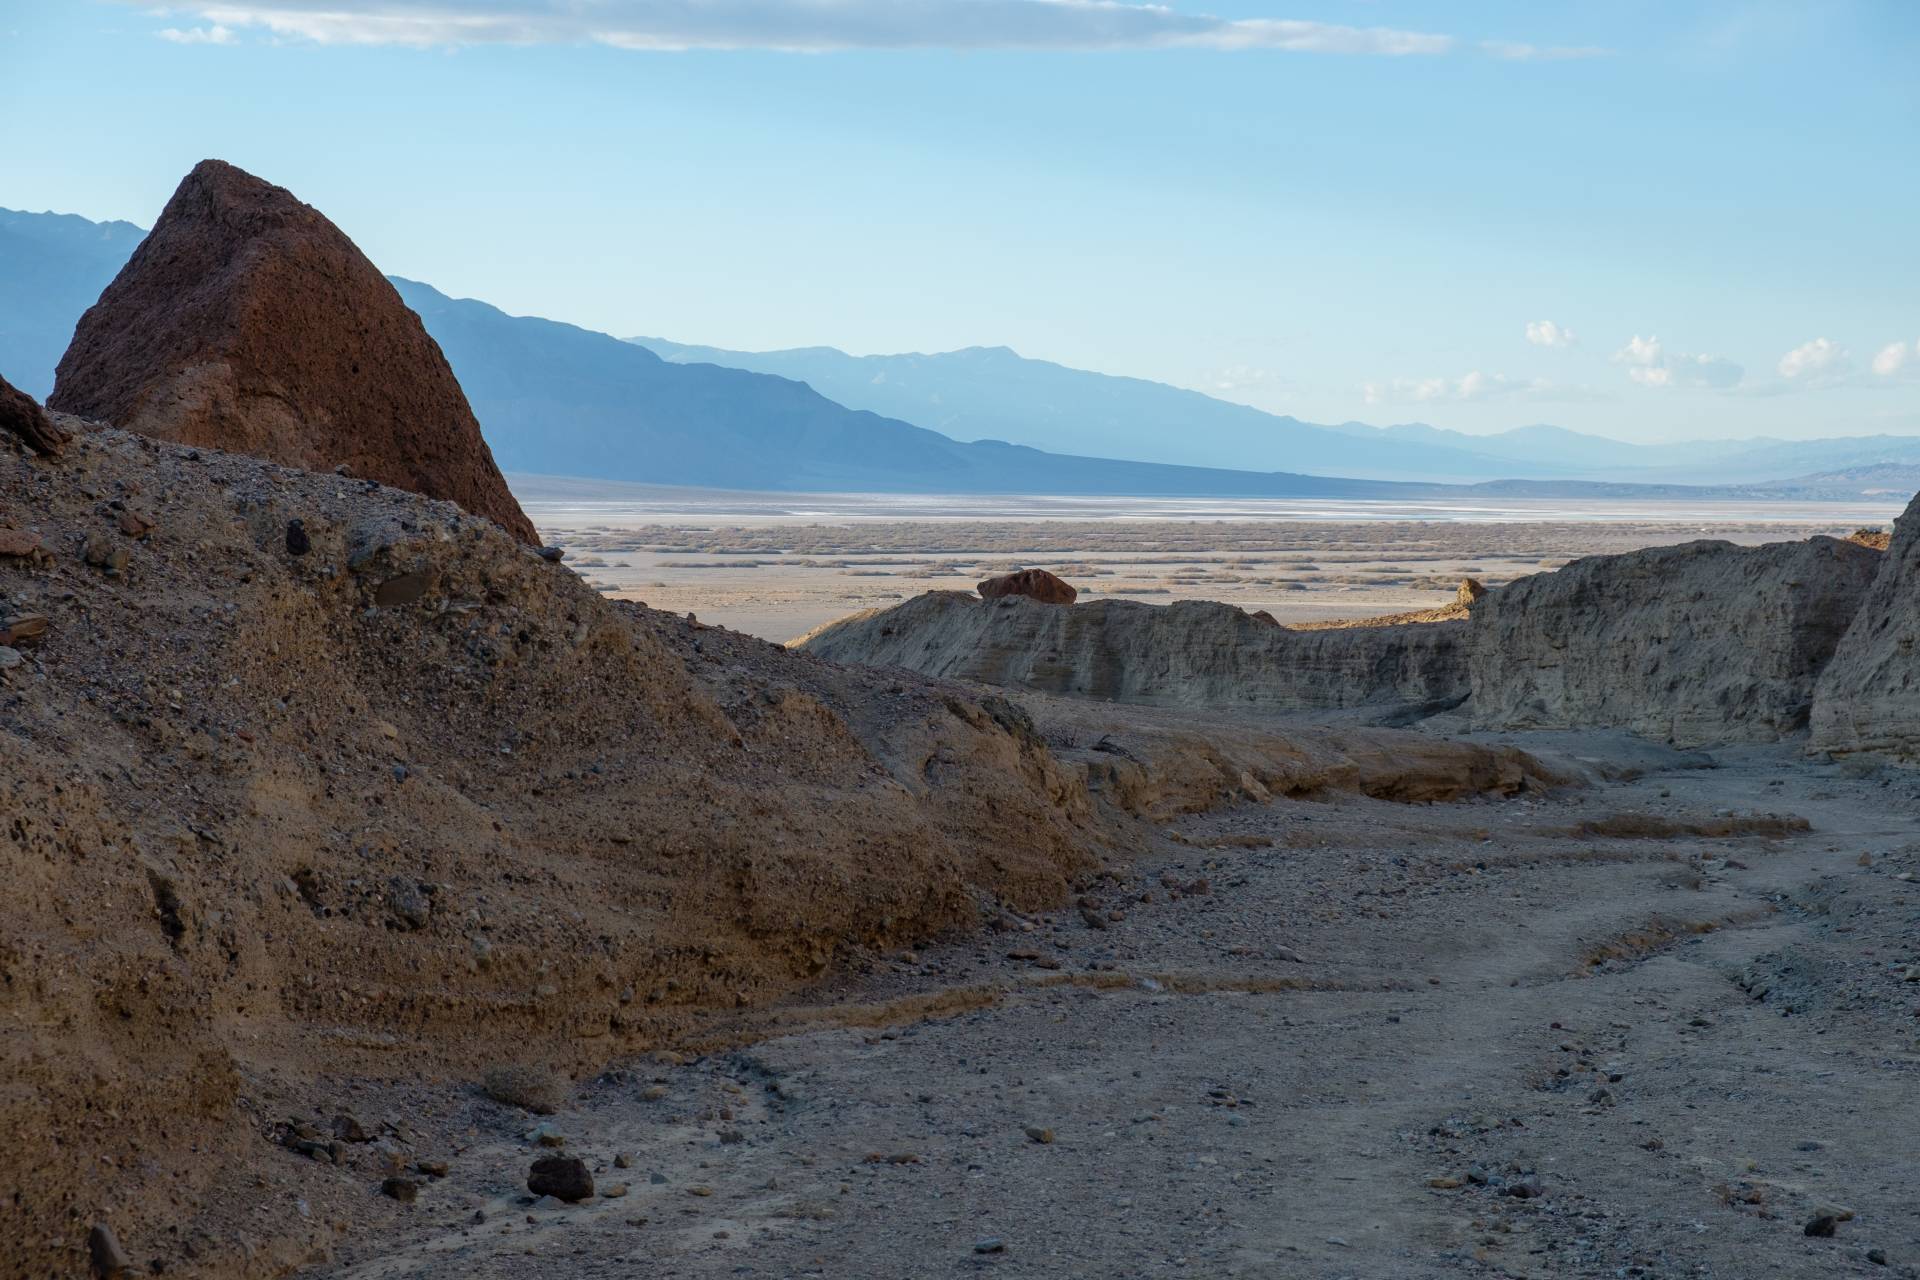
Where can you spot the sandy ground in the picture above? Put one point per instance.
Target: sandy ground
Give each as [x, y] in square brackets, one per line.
[777, 566]
[1329, 1038]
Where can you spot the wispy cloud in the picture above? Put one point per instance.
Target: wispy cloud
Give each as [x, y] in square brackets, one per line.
[822, 26]
[1649, 363]
[1515, 51]
[215, 34]
[1469, 388]
[1545, 333]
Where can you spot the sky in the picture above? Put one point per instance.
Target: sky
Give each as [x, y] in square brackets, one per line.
[1653, 219]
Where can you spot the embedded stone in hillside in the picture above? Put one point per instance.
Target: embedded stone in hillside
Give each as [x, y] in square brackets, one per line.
[248, 322]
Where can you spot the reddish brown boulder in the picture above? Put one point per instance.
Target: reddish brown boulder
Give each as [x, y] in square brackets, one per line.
[22, 418]
[248, 322]
[1037, 584]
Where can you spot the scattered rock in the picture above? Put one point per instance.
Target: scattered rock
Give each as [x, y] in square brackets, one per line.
[1821, 1226]
[529, 1088]
[615, 1191]
[23, 627]
[403, 590]
[1471, 589]
[1042, 1136]
[405, 1190]
[989, 1244]
[408, 905]
[623, 1161]
[22, 545]
[562, 1177]
[553, 555]
[134, 524]
[349, 1129]
[298, 541]
[104, 554]
[109, 1260]
[431, 1168]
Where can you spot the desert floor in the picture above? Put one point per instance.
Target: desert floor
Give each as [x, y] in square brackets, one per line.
[1609, 1030]
[777, 566]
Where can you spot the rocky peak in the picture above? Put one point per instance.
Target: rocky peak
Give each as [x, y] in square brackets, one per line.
[247, 321]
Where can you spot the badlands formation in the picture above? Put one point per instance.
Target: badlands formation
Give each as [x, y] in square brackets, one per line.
[385, 902]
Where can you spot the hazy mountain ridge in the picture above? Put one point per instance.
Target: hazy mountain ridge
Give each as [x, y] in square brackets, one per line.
[993, 393]
[557, 399]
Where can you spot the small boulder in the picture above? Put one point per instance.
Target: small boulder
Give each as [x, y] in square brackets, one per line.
[562, 1177]
[1471, 589]
[1035, 584]
[27, 422]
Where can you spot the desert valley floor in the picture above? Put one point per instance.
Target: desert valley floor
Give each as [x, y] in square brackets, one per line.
[1653, 1026]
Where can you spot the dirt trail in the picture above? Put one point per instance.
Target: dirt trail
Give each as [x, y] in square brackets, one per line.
[1689, 1048]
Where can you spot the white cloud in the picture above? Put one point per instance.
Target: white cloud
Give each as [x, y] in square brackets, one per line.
[1896, 358]
[1817, 362]
[1471, 387]
[817, 26]
[215, 34]
[1650, 364]
[1545, 333]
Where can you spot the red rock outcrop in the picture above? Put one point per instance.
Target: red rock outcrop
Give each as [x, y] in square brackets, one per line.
[1035, 584]
[21, 418]
[248, 322]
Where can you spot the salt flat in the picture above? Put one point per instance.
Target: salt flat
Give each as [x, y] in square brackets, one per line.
[776, 565]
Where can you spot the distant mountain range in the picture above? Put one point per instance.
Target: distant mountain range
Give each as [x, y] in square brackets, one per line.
[994, 393]
[52, 267]
[555, 399]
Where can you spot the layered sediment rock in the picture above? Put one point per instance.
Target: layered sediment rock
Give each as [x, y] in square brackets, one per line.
[1189, 654]
[1868, 698]
[1693, 644]
[247, 321]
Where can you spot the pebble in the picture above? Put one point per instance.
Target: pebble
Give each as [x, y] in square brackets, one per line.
[405, 1190]
[1042, 1136]
[1821, 1227]
[653, 1092]
[623, 1161]
[990, 1244]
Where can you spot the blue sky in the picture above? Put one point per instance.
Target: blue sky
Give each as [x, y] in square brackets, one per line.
[1653, 220]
